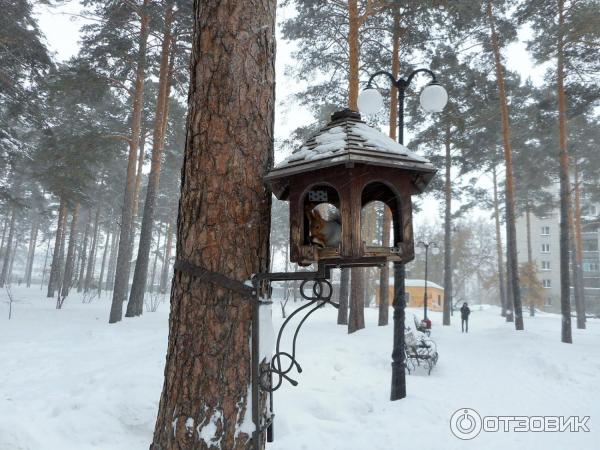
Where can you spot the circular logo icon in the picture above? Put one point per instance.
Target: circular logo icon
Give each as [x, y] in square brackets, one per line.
[465, 423]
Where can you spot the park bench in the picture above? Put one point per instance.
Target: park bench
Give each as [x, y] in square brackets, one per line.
[420, 327]
[419, 352]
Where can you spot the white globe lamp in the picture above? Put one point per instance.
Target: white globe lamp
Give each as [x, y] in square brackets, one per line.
[370, 102]
[433, 98]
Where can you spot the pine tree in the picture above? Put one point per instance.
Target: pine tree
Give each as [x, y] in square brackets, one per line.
[223, 225]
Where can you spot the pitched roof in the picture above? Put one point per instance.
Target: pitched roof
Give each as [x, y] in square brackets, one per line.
[347, 139]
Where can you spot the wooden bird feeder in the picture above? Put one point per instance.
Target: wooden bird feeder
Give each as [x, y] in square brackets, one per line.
[348, 164]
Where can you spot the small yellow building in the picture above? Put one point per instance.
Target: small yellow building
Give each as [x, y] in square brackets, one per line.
[415, 290]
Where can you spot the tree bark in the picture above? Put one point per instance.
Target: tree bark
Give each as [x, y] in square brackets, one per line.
[578, 252]
[529, 250]
[125, 244]
[342, 318]
[70, 262]
[4, 279]
[151, 280]
[223, 226]
[86, 235]
[565, 200]
[135, 307]
[511, 231]
[89, 273]
[103, 265]
[31, 251]
[55, 265]
[45, 264]
[447, 230]
[164, 279]
[112, 261]
[353, 54]
[501, 278]
[384, 273]
[138, 178]
[356, 320]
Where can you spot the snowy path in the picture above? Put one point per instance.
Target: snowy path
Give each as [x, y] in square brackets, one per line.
[71, 382]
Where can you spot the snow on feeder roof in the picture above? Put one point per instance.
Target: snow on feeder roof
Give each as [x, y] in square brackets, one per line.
[346, 140]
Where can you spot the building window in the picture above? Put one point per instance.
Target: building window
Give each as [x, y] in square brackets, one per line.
[546, 283]
[439, 300]
[591, 266]
[545, 231]
[545, 265]
[548, 301]
[590, 245]
[545, 248]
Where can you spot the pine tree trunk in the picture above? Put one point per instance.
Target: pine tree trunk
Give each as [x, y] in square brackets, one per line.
[447, 230]
[565, 200]
[4, 229]
[164, 279]
[86, 235]
[501, 278]
[343, 300]
[529, 250]
[4, 275]
[138, 177]
[103, 265]
[232, 87]
[151, 280]
[70, 262]
[578, 247]
[356, 319]
[89, 273]
[135, 307]
[125, 245]
[55, 265]
[112, 261]
[511, 231]
[45, 265]
[31, 251]
[384, 273]
[353, 54]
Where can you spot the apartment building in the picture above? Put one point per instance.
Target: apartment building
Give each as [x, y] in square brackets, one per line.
[545, 244]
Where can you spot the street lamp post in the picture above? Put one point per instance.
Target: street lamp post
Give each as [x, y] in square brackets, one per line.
[433, 98]
[434, 250]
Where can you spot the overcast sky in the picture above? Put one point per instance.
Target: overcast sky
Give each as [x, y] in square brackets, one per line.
[61, 27]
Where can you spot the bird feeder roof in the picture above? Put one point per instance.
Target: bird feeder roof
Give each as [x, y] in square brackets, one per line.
[346, 140]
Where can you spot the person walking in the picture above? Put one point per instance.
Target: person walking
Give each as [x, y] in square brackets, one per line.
[464, 314]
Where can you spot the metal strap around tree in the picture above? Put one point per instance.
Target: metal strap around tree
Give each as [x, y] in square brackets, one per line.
[215, 278]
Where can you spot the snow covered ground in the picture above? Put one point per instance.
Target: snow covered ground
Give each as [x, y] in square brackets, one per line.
[69, 381]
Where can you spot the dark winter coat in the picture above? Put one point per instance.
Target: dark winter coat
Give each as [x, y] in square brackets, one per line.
[464, 312]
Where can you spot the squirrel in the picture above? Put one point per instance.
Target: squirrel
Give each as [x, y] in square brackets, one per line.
[324, 232]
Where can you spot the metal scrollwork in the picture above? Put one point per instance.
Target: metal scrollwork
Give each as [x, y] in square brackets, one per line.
[282, 363]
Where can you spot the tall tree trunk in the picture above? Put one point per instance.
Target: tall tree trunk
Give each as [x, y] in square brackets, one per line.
[152, 276]
[578, 251]
[89, 273]
[112, 261]
[135, 307]
[511, 231]
[565, 200]
[7, 254]
[69, 264]
[45, 264]
[56, 264]
[356, 320]
[4, 229]
[125, 244]
[232, 87]
[86, 235]
[104, 253]
[31, 251]
[384, 273]
[343, 300]
[529, 251]
[353, 54]
[501, 278]
[164, 279]
[447, 230]
[138, 176]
